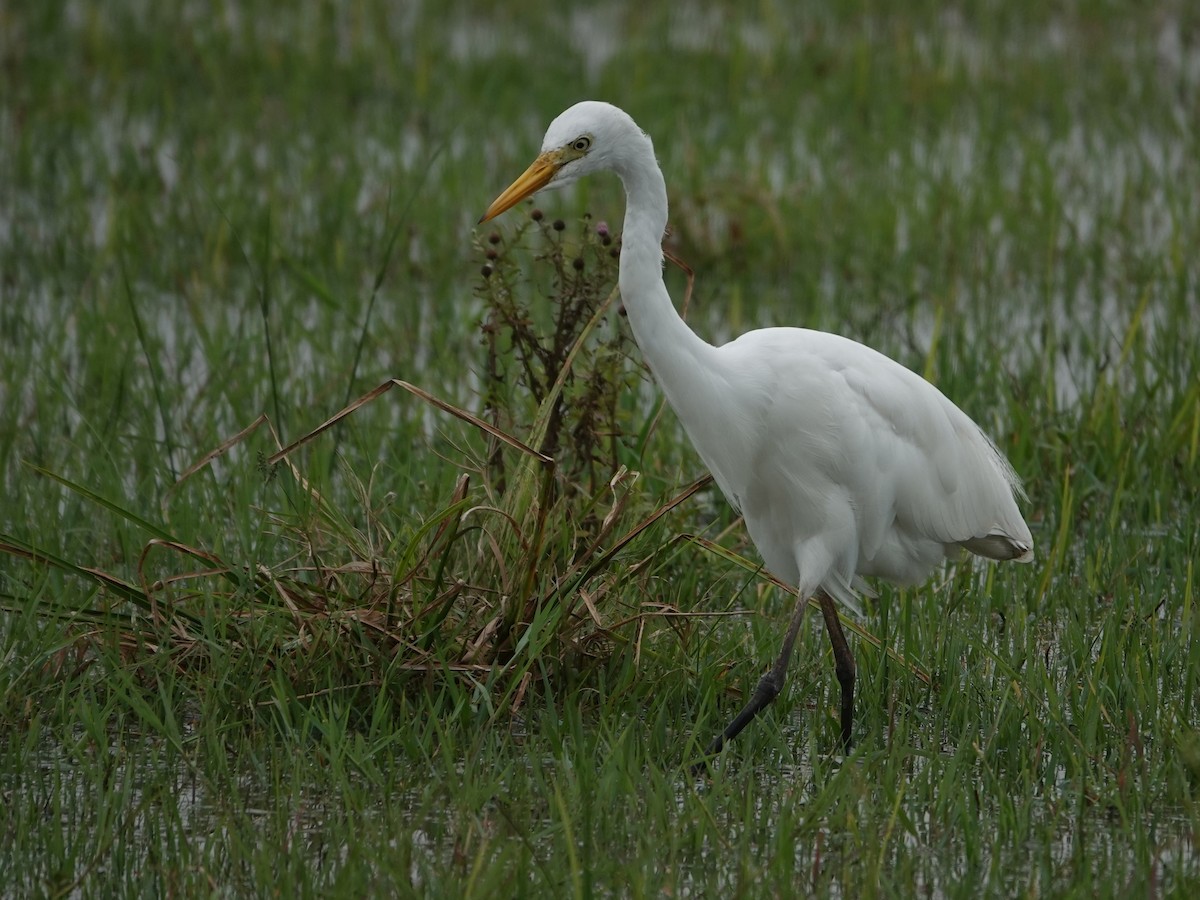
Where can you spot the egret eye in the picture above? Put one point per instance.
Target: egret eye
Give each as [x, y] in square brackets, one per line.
[582, 144]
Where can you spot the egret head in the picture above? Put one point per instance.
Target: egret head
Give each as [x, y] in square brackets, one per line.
[589, 137]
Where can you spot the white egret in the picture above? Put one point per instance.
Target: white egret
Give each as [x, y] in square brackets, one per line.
[843, 462]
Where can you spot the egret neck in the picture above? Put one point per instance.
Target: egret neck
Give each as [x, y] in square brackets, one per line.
[677, 355]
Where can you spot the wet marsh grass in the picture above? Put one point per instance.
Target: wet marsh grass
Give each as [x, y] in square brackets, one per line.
[206, 220]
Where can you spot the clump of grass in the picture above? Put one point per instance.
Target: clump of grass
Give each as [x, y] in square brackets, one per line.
[509, 575]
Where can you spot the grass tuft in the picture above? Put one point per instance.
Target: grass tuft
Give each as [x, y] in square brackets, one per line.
[500, 583]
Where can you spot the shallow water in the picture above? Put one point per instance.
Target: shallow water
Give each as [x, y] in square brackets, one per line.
[162, 805]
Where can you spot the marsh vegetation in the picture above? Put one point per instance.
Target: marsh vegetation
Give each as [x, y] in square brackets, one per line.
[466, 640]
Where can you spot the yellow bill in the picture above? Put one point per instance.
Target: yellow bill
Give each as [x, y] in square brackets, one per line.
[533, 179]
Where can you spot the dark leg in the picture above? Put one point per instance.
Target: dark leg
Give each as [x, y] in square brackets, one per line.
[843, 661]
[768, 688]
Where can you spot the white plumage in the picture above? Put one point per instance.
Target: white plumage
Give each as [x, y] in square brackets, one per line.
[843, 462]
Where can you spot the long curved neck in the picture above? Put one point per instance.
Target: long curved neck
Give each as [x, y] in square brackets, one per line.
[672, 349]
